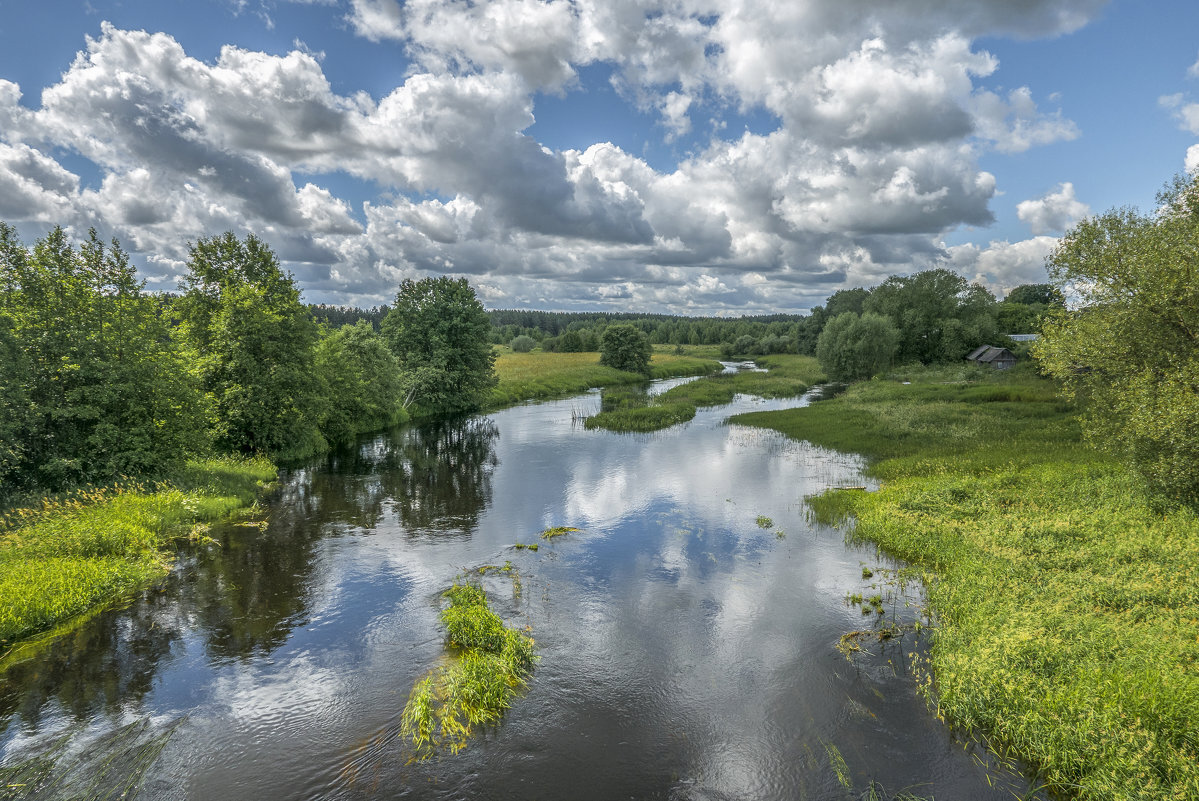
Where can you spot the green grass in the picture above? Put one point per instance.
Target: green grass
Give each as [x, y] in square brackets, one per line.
[788, 376]
[490, 665]
[1066, 609]
[557, 531]
[524, 376]
[68, 555]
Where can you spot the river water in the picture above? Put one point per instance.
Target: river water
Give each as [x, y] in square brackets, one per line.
[686, 651]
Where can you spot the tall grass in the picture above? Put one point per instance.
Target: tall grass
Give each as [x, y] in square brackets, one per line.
[786, 376]
[67, 555]
[524, 376]
[490, 663]
[1067, 610]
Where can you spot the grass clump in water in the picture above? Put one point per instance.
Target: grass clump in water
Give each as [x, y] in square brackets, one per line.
[1065, 606]
[70, 554]
[558, 531]
[490, 664]
[764, 522]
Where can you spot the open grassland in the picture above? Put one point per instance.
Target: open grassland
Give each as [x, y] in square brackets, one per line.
[524, 376]
[66, 556]
[787, 376]
[1067, 609]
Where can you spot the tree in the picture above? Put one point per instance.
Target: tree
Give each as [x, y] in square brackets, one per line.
[1030, 294]
[853, 347]
[522, 344]
[102, 391]
[254, 346]
[1130, 350]
[625, 348]
[440, 333]
[362, 378]
[940, 316]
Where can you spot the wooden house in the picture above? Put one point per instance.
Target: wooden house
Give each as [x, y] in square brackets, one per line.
[997, 358]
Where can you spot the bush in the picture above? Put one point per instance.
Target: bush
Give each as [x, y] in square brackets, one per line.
[522, 344]
[625, 348]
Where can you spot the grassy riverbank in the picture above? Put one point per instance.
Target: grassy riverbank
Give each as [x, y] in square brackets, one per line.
[69, 555]
[525, 376]
[787, 376]
[1067, 609]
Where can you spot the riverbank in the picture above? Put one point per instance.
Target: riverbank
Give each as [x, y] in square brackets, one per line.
[1066, 608]
[95, 546]
[785, 376]
[538, 375]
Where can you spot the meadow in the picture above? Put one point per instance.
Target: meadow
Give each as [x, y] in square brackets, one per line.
[786, 376]
[525, 376]
[70, 554]
[1066, 603]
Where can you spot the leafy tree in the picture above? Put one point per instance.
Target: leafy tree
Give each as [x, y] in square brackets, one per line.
[625, 348]
[363, 382]
[439, 332]
[940, 316]
[570, 342]
[16, 416]
[1131, 350]
[845, 300]
[1042, 294]
[522, 344]
[254, 346]
[853, 347]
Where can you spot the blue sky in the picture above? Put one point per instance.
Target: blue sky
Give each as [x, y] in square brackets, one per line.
[690, 156]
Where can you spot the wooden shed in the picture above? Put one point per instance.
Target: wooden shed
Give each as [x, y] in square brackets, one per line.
[998, 358]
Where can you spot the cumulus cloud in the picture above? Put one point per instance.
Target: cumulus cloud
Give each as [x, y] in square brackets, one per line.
[1002, 266]
[1054, 212]
[880, 126]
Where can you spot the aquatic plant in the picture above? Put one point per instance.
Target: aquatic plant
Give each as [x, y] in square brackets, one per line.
[557, 531]
[488, 666]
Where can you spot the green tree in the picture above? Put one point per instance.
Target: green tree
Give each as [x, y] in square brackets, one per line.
[439, 331]
[363, 381]
[254, 346]
[940, 316]
[522, 344]
[1030, 294]
[625, 348]
[853, 347]
[1130, 350]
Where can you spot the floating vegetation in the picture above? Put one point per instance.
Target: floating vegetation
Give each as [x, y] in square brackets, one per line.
[780, 534]
[489, 664]
[520, 546]
[867, 573]
[765, 522]
[558, 531]
[113, 765]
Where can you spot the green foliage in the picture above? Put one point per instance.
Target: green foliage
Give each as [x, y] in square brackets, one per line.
[254, 346]
[492, 664]
[93, 388]
[440, 333]
[788, 376]
[1036, 295]
[940, 316]
[522, 344]
[65, 556]
[363, 382]
[623, 347]
[853, 346]
[1131, 351]
[546, 375]
[1067, 625]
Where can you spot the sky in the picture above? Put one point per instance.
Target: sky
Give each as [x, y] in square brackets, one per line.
[701, 157]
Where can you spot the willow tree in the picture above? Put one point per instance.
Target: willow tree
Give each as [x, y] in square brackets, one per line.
[1130, 347]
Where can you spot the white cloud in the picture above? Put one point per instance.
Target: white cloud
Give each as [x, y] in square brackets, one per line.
[880, 128]
[1192, 158]
[1186, 113]
[1002, 266]
[1054, 212]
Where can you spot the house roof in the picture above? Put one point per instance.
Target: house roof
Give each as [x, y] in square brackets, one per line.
[997, 354]
[979, 351]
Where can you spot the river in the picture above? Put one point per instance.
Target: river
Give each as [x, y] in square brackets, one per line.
[687, 652]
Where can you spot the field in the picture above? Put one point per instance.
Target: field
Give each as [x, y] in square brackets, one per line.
[787, 376]
[68, 555]
[524, 376]
[1066, 604]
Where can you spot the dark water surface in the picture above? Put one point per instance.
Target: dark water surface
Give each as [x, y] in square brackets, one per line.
[686, 652]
